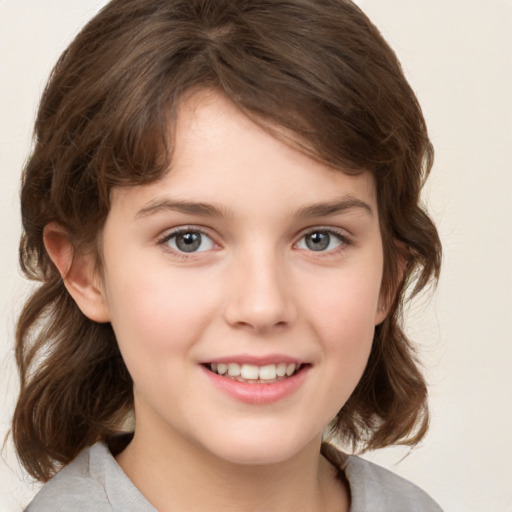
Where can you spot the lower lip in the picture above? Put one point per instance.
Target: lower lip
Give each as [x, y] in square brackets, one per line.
[257, 393]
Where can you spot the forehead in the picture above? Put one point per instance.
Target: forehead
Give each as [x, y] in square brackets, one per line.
[221, 156]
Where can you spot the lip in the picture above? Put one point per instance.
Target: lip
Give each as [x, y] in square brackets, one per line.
[257, 393]
[256, 360]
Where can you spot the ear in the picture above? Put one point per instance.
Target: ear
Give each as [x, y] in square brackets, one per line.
[78, 272]
[386, 300]
[382, 313]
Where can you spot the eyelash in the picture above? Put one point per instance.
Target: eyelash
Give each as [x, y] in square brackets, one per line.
[177, 253]
[344, 241]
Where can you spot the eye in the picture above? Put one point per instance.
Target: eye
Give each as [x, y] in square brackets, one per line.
[188, 241]
[322, 240]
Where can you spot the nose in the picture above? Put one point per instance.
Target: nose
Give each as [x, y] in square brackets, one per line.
[260, 296]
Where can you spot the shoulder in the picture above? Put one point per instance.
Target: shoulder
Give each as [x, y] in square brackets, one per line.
[73, 488]
[374, 488]
[93, 482]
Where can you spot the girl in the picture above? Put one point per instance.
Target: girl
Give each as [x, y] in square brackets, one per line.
[222, 207]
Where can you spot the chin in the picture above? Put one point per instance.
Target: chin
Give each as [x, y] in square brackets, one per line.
[258, 450]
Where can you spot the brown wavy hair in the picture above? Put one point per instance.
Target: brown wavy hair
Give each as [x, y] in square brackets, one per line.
[317, 68]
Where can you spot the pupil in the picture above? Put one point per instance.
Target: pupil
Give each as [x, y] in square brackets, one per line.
[188, 242]
[318, 241]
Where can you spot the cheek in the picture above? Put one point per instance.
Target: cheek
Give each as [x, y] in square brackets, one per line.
[346, 329]
[345, 301]
[342, 310]
[157, 313]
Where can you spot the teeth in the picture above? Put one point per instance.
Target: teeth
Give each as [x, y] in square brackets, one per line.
[233, 369]
[268, 372]
[281, 369]
[290, 369]
[249, 371]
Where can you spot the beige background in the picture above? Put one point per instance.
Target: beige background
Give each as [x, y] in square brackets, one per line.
[458, 56]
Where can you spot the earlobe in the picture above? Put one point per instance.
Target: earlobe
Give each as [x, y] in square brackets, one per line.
[381, 314]
[78, 273]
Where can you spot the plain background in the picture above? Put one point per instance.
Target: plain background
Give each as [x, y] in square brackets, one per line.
[458, 56]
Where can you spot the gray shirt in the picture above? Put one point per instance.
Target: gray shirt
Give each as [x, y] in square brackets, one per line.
[94, 482]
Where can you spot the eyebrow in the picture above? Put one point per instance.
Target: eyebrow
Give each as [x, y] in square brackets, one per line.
[211, 210]
[190, 207]
[334, 207]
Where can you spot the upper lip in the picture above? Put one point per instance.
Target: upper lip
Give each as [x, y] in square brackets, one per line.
[256, 360]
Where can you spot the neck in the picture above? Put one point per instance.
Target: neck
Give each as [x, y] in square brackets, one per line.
[178, 475]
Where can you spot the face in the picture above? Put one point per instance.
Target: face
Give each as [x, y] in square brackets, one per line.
[243, 289]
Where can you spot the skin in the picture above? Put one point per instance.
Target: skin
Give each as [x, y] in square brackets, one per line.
[255, 287]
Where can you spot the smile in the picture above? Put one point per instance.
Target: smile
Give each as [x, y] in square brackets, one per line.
[251, 373]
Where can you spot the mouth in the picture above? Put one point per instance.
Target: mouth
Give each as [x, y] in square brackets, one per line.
[254, 374]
